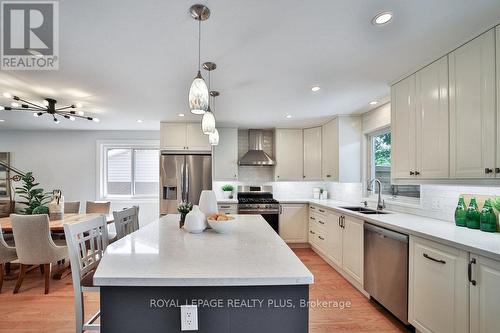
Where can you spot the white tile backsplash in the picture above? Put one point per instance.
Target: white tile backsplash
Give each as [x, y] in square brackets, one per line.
[436, 201]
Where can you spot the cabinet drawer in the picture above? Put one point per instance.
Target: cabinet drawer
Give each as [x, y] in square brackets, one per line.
[228, 208]
[318, 220]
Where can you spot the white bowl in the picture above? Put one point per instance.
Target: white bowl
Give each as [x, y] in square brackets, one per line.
[222, 227]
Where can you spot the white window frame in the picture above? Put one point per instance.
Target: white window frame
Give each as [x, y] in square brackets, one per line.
[101, 167]
[370, 174]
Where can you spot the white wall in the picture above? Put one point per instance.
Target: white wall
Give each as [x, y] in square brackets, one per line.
[66, 160]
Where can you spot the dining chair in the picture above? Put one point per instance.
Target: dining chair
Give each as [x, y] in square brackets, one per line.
[7, 254]
[126, 221]
[72, 207]
[34, 246]
[98, 207]
[87, 242]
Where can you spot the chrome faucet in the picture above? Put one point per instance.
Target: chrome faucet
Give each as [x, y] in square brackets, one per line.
[380, 202]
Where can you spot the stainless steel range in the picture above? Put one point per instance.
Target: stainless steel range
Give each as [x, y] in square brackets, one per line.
[259, 200]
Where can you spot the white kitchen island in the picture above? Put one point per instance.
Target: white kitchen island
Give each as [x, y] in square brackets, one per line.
[245, 281]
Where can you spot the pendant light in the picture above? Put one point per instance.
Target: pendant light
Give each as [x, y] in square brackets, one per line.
[198, 93]
[208, 120]
[213, 138]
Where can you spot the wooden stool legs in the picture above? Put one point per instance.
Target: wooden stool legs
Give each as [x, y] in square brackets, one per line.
[46, 271]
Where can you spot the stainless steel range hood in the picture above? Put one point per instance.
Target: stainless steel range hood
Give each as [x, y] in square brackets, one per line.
[255, 155]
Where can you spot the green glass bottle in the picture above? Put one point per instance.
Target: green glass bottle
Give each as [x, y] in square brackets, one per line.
[488, 219]
[460, 213]
[473, 215]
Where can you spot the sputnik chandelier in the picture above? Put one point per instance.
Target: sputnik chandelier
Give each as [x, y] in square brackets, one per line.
[48, 108]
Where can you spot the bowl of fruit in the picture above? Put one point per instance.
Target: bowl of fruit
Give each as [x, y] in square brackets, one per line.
[221, 223]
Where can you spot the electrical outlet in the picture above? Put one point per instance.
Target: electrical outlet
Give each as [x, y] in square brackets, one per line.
[189, 318]
[436, 203]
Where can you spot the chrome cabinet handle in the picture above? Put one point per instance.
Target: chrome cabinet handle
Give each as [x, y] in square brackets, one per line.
[497, 170]
[412, 173]
[339, 221]
[434, 259]
[321, 222]
[312, 218]
[312, 232]
[321, 238]
[417, 173]
[225, 206]
[488, 170]
[328, 176]
[469, 271]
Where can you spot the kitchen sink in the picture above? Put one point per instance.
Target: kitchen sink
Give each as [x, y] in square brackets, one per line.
[364, 210]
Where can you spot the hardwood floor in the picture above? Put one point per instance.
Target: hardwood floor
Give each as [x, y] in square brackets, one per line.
[363, 316]
[32, 311]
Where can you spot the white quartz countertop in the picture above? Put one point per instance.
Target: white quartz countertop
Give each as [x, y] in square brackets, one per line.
[161, 254]
[475, 241]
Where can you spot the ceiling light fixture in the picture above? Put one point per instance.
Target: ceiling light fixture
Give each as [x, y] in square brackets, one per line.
[181, 114]
[213, 138]
[373, 103]
[382, 18]
[139, 121]
[288, 116]
[315, 88]
[208, 120]
[2, 120]
[48, 107]
[198, 93]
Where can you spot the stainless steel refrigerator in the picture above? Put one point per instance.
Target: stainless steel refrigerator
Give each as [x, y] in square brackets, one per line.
[182, 178]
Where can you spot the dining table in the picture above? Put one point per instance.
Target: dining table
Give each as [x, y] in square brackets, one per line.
[58, 225]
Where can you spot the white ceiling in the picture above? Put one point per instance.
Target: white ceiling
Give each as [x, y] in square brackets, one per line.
[128, 59]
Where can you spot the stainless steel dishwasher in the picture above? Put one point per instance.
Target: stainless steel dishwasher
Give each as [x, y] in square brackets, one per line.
[386, 269]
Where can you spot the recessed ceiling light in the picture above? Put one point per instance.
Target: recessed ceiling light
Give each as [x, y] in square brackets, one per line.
[7, 95]
[288, 116]
[139, 121]
[315, 88]
[96, 120]
[373, 103]
[382, 18]
[181, 114]
[2, 120]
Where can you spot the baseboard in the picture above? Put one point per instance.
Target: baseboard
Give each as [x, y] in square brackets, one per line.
[299, 245]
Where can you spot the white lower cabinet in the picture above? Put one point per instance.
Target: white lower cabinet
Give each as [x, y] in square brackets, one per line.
[484, 295]
[339, 238]
[352, 247]
[293, 225]
[438, 288]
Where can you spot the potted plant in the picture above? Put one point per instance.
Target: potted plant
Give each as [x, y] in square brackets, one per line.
[228, 191]
[35, 199]
[184, 208]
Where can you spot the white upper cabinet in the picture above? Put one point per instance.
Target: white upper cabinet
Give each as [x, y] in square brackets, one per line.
[330, 150]
[312, 153]
[183, 136]
[497, 168]
[403, 118]
[472, 109]
[341, 149]
[432, 123]
[226, 155]
[195, 139]
[289, 154]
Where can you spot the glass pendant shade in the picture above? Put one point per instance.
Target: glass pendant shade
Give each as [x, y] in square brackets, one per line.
[208, 122]
[198, 95]
[213, 138]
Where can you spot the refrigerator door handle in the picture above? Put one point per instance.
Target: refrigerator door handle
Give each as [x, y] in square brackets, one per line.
[187, 182]
[183, 187]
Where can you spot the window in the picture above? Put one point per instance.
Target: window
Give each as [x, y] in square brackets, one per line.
[380, 167]
[129, 171]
